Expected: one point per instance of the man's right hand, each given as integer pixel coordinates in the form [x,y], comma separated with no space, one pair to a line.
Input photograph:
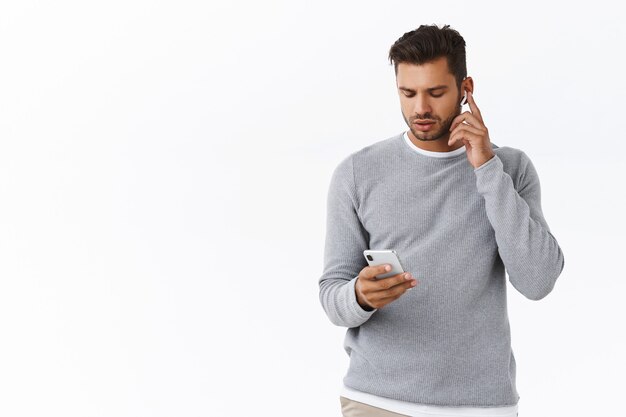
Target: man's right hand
[374,293]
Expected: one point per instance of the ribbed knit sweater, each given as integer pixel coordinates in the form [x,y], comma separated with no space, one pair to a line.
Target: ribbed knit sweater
[457,229]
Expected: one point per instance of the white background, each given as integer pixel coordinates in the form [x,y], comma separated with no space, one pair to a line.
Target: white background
[163,176]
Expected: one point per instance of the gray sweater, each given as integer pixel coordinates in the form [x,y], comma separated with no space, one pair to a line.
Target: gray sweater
[455,228]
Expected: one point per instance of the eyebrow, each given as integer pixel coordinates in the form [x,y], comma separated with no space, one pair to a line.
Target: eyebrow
[428,89]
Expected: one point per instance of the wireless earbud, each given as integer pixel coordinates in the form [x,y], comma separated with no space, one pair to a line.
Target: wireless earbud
[464,99]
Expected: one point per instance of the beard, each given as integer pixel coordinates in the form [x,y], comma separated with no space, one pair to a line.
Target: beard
[439,131]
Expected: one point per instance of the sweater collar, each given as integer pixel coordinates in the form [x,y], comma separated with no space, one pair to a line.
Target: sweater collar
[432,154]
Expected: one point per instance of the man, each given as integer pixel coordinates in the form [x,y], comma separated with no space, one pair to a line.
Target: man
[458,210]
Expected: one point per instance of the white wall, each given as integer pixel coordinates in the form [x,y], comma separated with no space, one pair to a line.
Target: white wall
[155,155]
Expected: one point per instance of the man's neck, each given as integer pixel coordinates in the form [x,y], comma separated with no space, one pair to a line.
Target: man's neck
[439,145]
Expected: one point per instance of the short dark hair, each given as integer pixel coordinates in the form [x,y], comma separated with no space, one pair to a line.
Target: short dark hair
[427,43]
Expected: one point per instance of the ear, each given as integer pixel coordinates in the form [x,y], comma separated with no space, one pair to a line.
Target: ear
[469,86]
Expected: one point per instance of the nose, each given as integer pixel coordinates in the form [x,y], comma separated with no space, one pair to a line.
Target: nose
[421,106]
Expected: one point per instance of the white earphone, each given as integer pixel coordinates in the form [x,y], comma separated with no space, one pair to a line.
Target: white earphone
[464,99]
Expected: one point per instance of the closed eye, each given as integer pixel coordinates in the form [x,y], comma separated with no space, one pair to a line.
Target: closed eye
[413,95]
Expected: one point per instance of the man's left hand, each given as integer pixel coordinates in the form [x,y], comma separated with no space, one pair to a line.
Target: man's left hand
[473,133]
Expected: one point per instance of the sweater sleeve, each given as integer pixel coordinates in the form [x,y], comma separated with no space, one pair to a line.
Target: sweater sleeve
[530,253]
[346,238]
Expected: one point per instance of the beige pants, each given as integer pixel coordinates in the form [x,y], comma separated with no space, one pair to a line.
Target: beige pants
[351,408]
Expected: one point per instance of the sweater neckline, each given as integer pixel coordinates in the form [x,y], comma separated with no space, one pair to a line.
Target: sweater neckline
[430,154]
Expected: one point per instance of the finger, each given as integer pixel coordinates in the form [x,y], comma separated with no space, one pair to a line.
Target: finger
[464,133]
[396,292]
[388,283]
[468,117]
[382,298]
[370,272]
[473,106]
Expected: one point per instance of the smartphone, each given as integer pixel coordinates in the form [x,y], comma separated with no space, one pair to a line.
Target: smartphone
[379,257]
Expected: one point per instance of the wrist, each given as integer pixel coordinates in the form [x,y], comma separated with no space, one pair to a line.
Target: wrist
[488,157]
[361,302]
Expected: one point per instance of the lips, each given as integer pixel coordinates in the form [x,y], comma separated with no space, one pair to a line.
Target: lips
[423,127]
